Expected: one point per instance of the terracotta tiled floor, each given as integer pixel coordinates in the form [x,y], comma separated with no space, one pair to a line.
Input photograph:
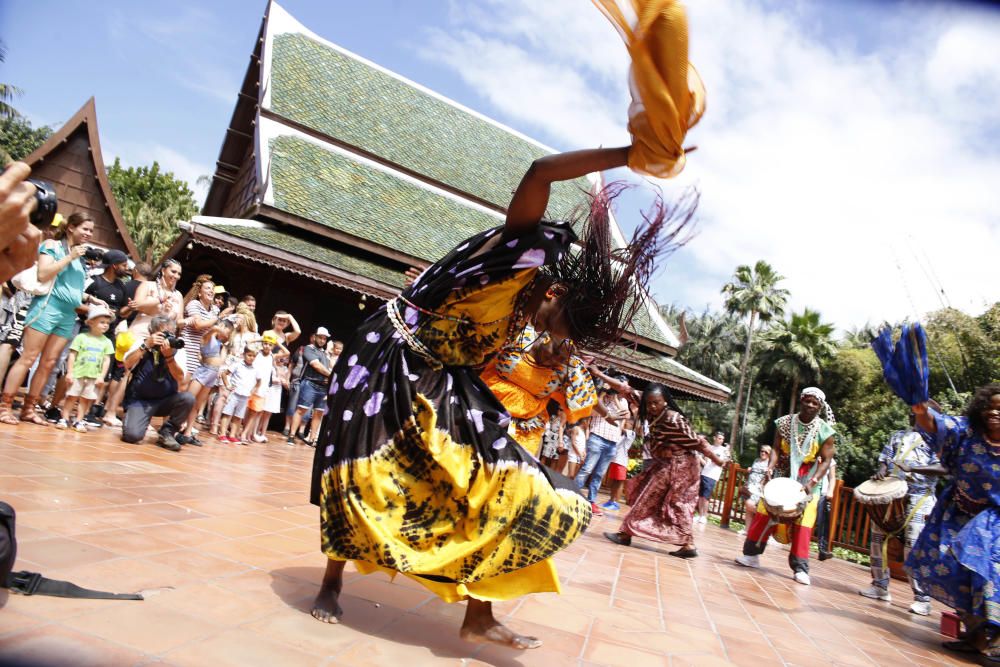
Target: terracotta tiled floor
[222,541]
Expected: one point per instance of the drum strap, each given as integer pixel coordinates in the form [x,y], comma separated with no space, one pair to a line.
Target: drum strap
[896,533]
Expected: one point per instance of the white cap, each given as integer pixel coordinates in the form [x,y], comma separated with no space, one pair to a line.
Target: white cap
[322,331]
[98,311]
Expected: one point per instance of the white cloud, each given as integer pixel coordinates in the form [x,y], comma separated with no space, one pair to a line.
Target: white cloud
[864,176]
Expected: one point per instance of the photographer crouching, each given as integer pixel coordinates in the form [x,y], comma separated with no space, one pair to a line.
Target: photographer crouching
[157,364]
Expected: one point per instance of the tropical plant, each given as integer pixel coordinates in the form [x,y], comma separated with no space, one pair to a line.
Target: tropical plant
[152,203]
[752,293]
[7,91]
[18,138]
[796,349]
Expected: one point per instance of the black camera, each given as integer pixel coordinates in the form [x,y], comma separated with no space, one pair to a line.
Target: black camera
[93,254]
[46,203]
[174,341]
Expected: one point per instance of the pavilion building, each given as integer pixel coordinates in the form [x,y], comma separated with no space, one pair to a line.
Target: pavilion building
[336,175]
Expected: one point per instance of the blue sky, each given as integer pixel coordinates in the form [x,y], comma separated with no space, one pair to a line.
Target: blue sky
[853,145]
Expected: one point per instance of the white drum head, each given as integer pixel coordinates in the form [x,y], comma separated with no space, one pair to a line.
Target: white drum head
[784,493]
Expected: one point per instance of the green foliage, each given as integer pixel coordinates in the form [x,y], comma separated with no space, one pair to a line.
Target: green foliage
[967,347]
[796,349]
[7,92]
[18,138]
[753,293]
[152,203]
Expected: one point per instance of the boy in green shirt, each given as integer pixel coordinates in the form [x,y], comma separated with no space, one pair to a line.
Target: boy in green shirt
[88,362]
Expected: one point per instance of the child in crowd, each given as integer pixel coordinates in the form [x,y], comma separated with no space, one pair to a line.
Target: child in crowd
[240,380]
[618,470]
[257,405]
[87,364]
[577,433]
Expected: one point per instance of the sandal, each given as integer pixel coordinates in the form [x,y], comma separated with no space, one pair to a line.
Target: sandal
[7,415]
[685,553]
[619,538]
[28,413]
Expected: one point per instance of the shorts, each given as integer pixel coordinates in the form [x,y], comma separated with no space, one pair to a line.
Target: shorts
[206,375]
[573,457]
[116,371]
[617,472]
[706,487]
[293,399]
[273,402]
[236,406]
[85,388]
[256,403]
[51,318]
[312,397]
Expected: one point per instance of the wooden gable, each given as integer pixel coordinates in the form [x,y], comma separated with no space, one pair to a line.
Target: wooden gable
[71,160]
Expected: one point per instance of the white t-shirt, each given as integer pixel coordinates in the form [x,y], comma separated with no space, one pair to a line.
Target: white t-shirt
[263,365]
[711,470]
[242,378]
[621,454]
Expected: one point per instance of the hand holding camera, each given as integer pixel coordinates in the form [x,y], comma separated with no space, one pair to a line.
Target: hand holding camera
[22,202]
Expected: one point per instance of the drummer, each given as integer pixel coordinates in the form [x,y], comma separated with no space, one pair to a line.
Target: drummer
[905,449]
[803,448]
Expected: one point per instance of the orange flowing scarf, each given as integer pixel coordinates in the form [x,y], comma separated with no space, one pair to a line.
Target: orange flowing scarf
[668,96]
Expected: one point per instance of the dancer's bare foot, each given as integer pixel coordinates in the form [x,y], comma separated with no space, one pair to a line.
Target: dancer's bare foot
[498,634]
[327,608]
[480,627]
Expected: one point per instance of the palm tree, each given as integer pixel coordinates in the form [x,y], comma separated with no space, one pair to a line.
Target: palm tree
[713,346]
[7,92]
[752,293]
[796,349]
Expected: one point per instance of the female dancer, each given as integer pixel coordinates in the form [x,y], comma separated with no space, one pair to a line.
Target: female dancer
[48,326]
[664,495]
[526,374]
[954,557]
[415,472]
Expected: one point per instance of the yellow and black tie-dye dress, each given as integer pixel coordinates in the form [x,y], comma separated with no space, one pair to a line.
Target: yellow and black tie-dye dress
[415,471]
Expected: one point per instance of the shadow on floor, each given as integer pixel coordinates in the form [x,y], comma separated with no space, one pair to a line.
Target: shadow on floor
[387,628]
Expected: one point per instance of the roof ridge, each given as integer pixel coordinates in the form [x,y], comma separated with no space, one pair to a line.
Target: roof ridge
[284,18]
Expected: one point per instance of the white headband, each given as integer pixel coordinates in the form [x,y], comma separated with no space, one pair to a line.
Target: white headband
[815,392]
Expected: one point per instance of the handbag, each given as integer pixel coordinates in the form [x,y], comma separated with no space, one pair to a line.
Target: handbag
[27,280]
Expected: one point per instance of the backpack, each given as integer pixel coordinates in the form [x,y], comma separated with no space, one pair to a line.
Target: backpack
[32,583]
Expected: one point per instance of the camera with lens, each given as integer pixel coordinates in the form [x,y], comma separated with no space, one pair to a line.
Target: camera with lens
[46,201]
[93,254]
[173,341]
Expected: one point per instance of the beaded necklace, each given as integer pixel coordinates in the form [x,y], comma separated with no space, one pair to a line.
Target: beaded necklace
[807,438]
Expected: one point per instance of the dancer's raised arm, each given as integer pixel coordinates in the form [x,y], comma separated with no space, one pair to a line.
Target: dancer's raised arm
[531,198]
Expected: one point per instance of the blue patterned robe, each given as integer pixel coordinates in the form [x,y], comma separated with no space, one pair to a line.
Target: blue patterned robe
[957,557]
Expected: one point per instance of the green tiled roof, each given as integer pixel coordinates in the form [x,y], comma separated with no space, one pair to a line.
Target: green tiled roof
[329,188]
[662,364]
[316,251]
[344,98]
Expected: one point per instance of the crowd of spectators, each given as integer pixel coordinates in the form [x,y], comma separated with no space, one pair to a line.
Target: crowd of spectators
[91,339]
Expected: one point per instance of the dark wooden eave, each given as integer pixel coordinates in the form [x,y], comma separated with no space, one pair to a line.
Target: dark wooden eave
[53,156]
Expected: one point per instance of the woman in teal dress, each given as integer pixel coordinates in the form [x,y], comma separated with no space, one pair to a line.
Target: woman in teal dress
[957,556]
[48,326]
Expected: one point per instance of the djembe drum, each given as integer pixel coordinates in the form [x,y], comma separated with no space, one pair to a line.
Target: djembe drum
[785,500]
[885,502]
